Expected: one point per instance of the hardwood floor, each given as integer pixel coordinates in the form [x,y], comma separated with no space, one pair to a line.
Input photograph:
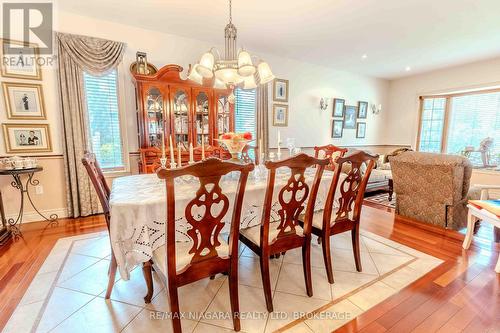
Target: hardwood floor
[462,294]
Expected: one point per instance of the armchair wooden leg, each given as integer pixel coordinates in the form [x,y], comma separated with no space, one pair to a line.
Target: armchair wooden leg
[327,258]
[306,263]
[233,295]
[148,277]
[111,276]
[174,308]
[266,281]
[470,230]
[355,247]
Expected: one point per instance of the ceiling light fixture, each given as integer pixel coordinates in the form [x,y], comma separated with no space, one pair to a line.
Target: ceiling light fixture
[407,68]
[235,68]
[364,56]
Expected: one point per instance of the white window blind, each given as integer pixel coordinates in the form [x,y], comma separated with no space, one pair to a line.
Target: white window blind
[432,124]
[473,118]
[104,120]
[245,113]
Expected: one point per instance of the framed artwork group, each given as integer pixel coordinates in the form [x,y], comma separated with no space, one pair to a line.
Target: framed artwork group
[350,115]
[280,97]
[24,100]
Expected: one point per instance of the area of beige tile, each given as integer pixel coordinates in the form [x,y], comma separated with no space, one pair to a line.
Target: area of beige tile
[39,288]
[249,271]
[93,280]
[333,317]
[23,318]
[374,246]
[96,247]
[252,305]
[401,278]
[343,260]
[387,262]
[75,263]
[61,305]
[148,321]
[291,280]
[346,282]
[207,328]
[99,315]
[372,295]
[424,265]
[288,307]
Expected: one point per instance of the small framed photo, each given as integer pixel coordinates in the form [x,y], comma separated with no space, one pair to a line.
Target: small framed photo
[27,138]
[24,100]
[362,110]
[280,115]
[360,130]
[338,107]
[350,117]
[22,65]
[280,90]
[337,128]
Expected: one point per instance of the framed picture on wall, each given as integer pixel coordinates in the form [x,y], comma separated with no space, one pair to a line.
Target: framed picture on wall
[21,65]
[338,107]
[362,110]
[280,115]
[361,130]
[280,90]
[350,117]
[24,100]
[27,138]
[337,128]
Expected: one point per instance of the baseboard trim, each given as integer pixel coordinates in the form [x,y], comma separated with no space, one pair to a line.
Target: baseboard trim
[32,216]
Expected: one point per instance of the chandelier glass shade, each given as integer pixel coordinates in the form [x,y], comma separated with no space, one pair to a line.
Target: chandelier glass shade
[232,69]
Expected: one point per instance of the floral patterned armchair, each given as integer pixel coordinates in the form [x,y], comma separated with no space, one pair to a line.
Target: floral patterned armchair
[432,188]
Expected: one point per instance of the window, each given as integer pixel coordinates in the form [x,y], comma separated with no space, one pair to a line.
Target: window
[459,124]
[245,113]
[104,120]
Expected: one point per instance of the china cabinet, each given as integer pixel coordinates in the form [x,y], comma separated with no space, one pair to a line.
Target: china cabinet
[189,113]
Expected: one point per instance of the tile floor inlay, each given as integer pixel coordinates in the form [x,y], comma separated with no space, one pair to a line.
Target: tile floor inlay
[67,294]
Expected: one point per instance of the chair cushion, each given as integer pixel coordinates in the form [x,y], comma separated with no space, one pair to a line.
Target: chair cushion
[378,175]
[253,233]
[318,219]
[183,258]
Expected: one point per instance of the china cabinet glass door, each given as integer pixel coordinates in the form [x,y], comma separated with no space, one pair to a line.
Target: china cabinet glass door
[155,116]
[223,115]
[201,109]
[180,114]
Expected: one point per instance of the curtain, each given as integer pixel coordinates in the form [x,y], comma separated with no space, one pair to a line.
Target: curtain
[263,119]
[77,54]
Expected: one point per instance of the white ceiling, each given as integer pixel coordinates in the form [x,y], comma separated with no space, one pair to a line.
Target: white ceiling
[394,34]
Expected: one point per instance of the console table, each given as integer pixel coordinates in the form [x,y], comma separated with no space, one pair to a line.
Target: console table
[17,183]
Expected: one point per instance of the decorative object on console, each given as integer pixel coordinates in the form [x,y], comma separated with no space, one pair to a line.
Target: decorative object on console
[24,100]
[280,90]
[349,117]
[235,143]
[280,115]
[337,128]
[362,110]
[376,109]
[152,70]
[142,63]
[23,64]
[323,104]
[360,130]
[27,138]
[235,68]
[338,107]
[18,163]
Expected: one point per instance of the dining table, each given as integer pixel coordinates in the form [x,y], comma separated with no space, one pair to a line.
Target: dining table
[138,209]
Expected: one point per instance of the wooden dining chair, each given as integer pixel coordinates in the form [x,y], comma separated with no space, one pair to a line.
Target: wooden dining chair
[346,209]
[329,151]
[103,193]
[275,237]
[181,263]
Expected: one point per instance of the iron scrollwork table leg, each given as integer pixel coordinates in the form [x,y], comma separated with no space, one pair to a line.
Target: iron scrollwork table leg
[23,190]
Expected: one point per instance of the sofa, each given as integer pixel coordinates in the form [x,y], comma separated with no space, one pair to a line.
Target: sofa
[432,188]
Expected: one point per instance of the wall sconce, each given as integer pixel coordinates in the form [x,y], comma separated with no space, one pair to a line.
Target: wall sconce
[323,104]
[376,109]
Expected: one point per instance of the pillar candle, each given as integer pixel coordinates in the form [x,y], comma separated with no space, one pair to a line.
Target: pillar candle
[172,158]
[279,141]
[179,160]
[202,147]
[162,144]
[191,159]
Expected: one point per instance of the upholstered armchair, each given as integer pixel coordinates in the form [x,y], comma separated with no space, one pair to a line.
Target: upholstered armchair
[432,188]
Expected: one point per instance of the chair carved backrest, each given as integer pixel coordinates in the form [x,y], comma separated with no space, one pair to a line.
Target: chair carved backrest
[98,181]
[329,151]
[292,196]
[206,211]
[245,156]
[352,188]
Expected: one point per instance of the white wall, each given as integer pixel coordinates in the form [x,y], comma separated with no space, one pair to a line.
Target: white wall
[402,124]
[308,83]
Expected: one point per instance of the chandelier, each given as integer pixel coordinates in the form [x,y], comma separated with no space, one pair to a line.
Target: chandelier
[234,69]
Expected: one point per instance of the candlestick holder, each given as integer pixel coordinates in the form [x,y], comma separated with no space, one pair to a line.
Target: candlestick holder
[163,162]
[173,165]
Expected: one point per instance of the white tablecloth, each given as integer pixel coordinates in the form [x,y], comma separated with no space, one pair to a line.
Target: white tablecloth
[138,211]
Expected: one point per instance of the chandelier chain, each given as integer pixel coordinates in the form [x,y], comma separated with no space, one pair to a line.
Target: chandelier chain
[230,11]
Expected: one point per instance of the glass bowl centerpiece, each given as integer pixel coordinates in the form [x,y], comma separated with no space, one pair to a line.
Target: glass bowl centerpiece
[235,143]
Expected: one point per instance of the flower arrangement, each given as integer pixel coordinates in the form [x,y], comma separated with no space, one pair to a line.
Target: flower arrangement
[235,142]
